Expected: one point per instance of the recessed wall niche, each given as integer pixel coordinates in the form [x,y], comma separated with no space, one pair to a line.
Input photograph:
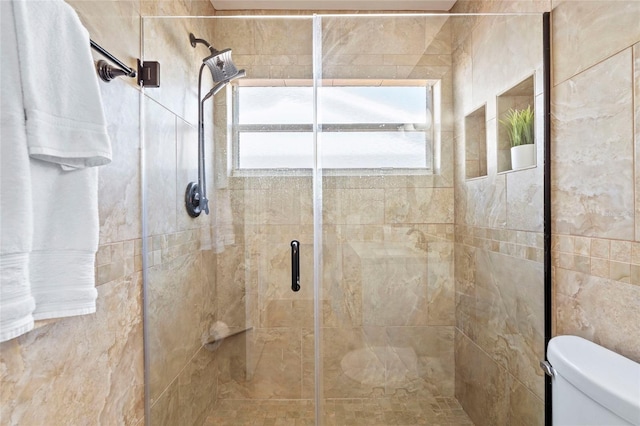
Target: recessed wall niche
[475,139]
[518,98]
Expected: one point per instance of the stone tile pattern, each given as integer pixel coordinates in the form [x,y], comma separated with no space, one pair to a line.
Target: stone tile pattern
[96,361]
[400,410]
[595,218]
[499,253]
[181,253]
[595,184]
[387,295]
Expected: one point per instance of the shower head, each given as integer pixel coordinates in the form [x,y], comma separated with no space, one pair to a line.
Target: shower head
[222,68]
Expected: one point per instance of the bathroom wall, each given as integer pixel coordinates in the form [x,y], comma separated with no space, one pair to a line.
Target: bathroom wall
[595,175]
[595,249]
[499,269]
[89,369]
[377,231]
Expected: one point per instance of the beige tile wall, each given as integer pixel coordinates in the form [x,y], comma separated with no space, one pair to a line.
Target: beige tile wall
[96,360]
[388,240]
[499,244]
[596,132]
[89,369]
[595,135]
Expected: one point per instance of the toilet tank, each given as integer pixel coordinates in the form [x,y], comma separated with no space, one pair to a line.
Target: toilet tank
[592,385]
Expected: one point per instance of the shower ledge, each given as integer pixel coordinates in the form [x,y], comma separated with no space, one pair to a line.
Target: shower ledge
[213,342]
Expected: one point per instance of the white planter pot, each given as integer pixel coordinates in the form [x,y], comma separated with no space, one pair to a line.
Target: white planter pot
[523,156]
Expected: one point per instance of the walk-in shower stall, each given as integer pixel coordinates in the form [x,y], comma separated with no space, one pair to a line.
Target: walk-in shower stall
[364,158]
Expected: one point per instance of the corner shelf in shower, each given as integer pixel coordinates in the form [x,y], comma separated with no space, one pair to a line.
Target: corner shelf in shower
[213,343]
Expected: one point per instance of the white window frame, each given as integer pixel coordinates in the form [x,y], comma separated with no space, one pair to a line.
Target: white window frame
[432,134]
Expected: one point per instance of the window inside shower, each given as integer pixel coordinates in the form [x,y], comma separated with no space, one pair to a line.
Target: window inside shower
[362,125]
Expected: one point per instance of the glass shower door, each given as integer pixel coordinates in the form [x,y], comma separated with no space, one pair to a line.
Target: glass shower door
[387,290]
[228,340]
[340,152]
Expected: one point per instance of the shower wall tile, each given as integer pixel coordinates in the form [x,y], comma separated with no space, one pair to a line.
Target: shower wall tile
[489,394]
[482,202]
[253,275]
[39,380]
[440,284]
[524,190]
[175,309]
[593,114]
[166,409]
[161,169]
[498,250]
[394,286]
[167,41]
[231,273]
[482,387]
[350,206]
[586,33]
[525,408]
[176,8]
[601,310]
[278,206]
[417,205]
[422,360]
[273,367]
[197,386]
[114,25]
[399,35]
[119,181]
[273,36]
[506,50]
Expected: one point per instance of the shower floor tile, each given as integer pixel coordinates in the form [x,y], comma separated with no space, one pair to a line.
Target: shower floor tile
[340,412]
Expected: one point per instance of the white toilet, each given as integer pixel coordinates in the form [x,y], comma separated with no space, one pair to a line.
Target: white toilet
[592,385]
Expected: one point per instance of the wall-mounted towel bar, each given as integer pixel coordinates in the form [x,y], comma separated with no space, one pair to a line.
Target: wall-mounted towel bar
[108,72]
[148,71]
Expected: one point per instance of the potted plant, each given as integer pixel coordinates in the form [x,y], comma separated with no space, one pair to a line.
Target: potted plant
[519,125]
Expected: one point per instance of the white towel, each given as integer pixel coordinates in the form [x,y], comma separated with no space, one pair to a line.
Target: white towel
[16,220]
[65,121]
[65,134]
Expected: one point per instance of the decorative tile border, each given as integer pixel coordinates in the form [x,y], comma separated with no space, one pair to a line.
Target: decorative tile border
[605,258]
[523,244]
[118,260]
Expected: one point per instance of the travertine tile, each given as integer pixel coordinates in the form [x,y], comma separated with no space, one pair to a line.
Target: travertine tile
[511,316]
[197,388]
[350,206]
[600,310]
[119,181]
[419,205]
[273,367]
[160,127]
[525,408]
[588,32]
[44,369]
[440,284]
[175,302]
[481,385]
[590,119]
[499,59]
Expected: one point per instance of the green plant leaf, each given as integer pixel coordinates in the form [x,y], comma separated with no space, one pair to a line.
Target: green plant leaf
[519,125]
